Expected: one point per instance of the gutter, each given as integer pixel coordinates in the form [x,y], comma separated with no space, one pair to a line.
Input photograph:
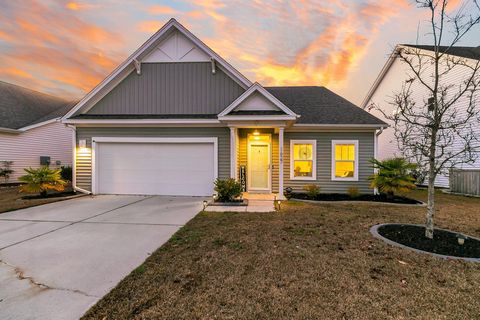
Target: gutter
[8,130]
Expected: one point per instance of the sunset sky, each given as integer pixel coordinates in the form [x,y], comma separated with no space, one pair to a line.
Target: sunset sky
[65,48]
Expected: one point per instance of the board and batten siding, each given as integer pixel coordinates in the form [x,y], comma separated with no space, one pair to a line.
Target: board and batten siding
[84,159]
[324,161]
[24,149]
[171,88]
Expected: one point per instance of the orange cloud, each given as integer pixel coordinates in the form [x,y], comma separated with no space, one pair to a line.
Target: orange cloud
[76,6]
[149,26]
[158,9]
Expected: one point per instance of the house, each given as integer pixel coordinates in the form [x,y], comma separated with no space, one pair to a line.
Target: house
[31,133]
[175,116]
[390,80]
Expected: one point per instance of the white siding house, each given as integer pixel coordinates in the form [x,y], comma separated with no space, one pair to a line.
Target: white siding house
[30,128]
[25,148]
[389,82]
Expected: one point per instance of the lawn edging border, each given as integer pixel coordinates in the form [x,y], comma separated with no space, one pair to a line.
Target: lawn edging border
[374,232]
[422,204]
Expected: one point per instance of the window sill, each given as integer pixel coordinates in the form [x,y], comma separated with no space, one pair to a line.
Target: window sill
[345,179]
[303,178]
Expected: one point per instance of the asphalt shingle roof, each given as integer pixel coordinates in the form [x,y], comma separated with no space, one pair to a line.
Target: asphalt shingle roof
[20,107]
[464,52]
[318,105]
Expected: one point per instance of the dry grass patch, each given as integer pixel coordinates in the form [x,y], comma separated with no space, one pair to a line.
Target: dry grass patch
[306,262]
[11,199]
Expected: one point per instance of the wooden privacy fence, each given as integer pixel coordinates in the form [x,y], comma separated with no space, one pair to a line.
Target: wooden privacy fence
[465,181]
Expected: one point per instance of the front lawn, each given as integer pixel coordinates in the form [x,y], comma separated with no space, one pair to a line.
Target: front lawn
[12,199]
[309,261]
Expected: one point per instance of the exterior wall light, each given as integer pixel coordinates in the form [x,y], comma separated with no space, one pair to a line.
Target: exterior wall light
[82,143]
[256,133]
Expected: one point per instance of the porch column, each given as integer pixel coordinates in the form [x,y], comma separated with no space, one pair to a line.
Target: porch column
[233,152]
[280,163]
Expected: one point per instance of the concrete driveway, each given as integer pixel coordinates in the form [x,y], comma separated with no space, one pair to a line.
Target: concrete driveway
[58,259]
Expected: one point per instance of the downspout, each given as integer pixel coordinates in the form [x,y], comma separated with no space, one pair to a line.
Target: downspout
[74,162]
[375,153]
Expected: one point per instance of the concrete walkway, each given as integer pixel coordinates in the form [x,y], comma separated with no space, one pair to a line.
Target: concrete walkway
[257,202]
[58,259]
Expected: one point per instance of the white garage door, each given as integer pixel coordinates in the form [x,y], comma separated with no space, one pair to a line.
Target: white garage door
[155,168]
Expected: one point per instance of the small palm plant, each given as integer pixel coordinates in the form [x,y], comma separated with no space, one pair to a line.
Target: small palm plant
[393,176]
[41,180]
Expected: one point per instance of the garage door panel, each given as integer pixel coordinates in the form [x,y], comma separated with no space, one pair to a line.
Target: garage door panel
[155,168]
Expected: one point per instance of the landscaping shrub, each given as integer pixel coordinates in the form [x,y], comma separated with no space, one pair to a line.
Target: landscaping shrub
[227,189]
[312,190]
[66,173]
[41,180]
[353,192]
[393,176]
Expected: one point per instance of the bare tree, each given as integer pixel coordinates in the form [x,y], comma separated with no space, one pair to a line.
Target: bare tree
[429,128]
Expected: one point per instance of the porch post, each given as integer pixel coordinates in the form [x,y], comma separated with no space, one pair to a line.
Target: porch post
[280,163]
[233,152]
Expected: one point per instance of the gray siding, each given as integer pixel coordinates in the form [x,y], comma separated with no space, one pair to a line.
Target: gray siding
[84,159]
[324,160]
[171,88]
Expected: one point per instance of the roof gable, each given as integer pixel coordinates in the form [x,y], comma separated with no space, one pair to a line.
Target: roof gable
[177,48]
[135,60]
[257,100]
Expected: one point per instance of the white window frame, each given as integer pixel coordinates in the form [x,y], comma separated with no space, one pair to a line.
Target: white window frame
[314,159]
[355,166]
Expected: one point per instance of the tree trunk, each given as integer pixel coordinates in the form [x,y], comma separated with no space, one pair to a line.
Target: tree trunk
[431,201]
[430,210]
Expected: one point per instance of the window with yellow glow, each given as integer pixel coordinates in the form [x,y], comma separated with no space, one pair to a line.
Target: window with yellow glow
[303,157]
[344,161]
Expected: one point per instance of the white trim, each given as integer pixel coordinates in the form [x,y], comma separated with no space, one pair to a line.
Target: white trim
[256,87]
[313,142]
[8,130]
[74,155]
[375,154]
[380,77]
[96,140]
[281,132]
[355,172]
[257,118]
[233,152]
[141,121]
[342,126]
[143,50]
[36,125]
[249,175]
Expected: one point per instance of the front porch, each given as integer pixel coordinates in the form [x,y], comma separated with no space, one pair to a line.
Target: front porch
[257,161]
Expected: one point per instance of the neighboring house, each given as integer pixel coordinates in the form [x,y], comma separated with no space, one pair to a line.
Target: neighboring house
[30,128]
[175,116]
[390,81]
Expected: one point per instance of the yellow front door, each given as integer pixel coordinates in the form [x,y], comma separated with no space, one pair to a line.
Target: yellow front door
[259,163]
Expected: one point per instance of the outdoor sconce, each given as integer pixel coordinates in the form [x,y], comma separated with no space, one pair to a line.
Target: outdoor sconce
[82,143]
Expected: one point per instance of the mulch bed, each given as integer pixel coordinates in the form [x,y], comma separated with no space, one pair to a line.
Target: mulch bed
[444,242]
[362,197]
[50,195]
